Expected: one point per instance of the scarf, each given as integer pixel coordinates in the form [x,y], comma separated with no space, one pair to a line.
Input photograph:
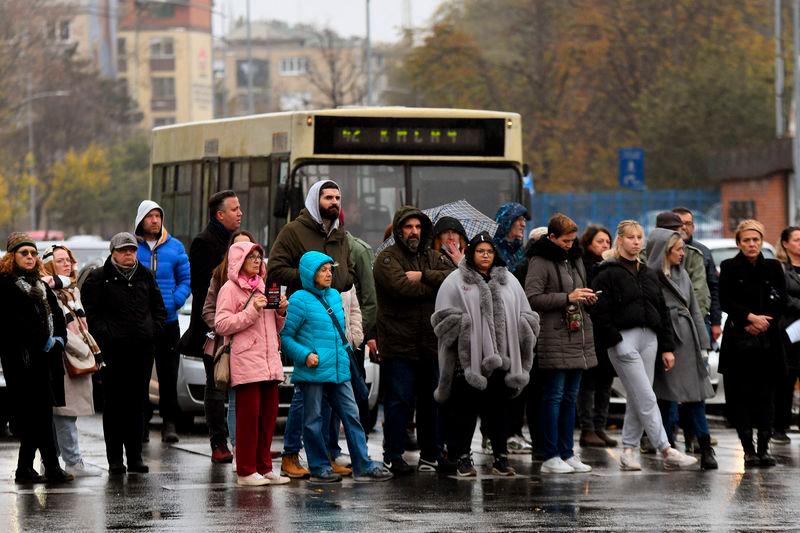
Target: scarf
[30,283]
[125,272]
[251,282]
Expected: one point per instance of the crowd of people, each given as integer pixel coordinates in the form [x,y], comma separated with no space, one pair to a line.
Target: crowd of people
[470,331]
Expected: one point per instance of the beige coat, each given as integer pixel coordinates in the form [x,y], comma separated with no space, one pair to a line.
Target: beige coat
[354,327]
[77,390]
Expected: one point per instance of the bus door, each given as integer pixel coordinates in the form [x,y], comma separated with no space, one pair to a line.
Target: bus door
[282,206]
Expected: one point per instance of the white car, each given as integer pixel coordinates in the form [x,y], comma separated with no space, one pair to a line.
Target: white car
[721,249]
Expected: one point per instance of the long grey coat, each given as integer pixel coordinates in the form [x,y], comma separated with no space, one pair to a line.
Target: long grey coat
[552,275]
[481,327]
[688,380]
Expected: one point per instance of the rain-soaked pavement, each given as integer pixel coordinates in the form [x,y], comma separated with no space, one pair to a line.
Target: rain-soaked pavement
[185,492]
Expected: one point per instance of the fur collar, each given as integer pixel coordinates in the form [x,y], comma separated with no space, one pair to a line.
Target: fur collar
[497,274]
[549,250]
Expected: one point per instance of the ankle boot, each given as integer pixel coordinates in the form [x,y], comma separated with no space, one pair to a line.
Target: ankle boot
[764,457]
[750,457]
[707,459]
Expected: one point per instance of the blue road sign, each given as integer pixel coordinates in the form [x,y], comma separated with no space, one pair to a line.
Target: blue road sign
[631,168]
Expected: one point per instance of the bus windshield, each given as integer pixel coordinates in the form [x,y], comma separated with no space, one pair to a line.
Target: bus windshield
[371,193]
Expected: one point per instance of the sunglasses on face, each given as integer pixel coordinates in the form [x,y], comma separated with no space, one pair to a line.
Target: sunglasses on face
[26,253]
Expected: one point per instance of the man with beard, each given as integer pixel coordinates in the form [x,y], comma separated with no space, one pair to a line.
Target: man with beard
[316,228]
[407,277]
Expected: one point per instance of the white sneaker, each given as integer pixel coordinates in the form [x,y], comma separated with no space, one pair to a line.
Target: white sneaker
[233,461]
[676,459]
[343,460]
[629,461]
[79,469]
[577,465]
[556,465]
[253,480]
[517,444]
[276,479]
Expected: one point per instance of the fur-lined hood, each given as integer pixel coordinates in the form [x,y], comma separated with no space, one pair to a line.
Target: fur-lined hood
[547,249]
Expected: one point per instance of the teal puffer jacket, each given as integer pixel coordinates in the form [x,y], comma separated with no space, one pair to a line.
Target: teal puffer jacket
[308,328]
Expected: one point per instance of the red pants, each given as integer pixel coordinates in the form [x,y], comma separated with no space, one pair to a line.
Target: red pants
[256,412]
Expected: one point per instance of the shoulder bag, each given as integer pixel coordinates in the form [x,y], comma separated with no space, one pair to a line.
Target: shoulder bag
[222,359]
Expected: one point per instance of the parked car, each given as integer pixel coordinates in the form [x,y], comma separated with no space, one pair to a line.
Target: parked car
[192,380]
[721,249]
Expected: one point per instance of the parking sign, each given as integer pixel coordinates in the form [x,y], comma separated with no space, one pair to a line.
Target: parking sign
[631,168]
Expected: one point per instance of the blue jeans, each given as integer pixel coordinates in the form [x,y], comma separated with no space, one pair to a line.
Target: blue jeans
[696,421]
[410,384]
[559,394]
[340,398]
[293,432]
[67,435]
[232,416]
[330,429]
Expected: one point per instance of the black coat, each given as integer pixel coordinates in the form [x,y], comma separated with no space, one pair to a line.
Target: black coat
[758,288]
[629,301]
[205,253]
[792,312]
[590,261]
[23,322]
[122,313]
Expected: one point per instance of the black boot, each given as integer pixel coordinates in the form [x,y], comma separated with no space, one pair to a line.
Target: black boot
[707,459]
[764,457]
[750,457]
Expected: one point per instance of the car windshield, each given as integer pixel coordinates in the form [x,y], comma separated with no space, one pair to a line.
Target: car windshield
[371,193]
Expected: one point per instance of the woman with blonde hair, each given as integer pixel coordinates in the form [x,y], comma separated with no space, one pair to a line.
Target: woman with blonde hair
[632,319]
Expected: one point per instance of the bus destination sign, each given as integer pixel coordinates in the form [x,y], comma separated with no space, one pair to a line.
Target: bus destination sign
[409,136]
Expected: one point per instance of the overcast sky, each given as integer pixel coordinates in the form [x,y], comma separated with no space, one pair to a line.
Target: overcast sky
[347,17]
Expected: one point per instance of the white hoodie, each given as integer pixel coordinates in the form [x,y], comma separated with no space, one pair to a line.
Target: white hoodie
[312,203]
[145,207]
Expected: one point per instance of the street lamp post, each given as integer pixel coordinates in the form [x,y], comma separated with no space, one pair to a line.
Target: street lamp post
[31,147]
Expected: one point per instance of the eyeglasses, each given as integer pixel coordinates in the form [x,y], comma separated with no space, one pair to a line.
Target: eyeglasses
[26,253]
[484,252]
[255,258]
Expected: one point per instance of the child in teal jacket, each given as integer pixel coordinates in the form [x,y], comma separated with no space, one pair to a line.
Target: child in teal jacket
[322,368]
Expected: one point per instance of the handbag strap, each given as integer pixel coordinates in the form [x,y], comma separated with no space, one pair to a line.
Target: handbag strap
[333,319]
[253,293]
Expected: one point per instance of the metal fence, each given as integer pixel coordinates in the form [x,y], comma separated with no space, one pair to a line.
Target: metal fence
[607,208]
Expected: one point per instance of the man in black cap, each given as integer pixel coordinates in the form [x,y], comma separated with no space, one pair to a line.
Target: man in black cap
[125,313]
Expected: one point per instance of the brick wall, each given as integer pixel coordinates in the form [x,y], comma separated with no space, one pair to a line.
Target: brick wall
[765,198]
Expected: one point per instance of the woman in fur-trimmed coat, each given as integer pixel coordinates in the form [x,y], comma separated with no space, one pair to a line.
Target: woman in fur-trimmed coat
[486,333]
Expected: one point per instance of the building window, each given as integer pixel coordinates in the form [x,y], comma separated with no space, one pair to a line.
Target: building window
[162,53]
[294,66]
[161,10]
[63,30]
[739,210]
[295,101]
[163,94]
[260,69]
[122,55]
[163,121]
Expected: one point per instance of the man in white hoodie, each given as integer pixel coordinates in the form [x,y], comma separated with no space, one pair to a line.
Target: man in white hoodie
[316,228]
[166,258]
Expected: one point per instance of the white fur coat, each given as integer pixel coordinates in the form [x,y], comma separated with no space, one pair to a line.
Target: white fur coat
[484,326]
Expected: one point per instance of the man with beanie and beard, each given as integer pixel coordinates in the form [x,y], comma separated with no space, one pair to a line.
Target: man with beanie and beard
[407,277]
[126,315]
[316,229]
[166,258]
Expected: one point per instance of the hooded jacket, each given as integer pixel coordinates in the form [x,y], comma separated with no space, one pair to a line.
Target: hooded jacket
[255,355]
[481,327]
[688,380]
[511,252]
[167,260]
[552,274]
[307,233]
[405,307]
[309,329]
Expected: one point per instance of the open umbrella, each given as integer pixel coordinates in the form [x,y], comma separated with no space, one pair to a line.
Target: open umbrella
[473,220]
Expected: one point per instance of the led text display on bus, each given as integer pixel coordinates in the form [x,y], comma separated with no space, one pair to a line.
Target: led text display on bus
[409,136]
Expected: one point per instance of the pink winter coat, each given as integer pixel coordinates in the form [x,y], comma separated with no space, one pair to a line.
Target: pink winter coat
[254,352]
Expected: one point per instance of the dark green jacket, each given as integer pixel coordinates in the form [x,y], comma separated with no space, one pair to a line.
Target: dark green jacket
[362,257]
[304,234]
[405,307]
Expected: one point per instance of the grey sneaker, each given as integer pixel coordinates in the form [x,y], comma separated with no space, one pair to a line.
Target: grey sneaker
[376,473]
[517,444]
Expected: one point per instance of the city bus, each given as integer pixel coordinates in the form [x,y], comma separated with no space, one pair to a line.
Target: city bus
[381,157]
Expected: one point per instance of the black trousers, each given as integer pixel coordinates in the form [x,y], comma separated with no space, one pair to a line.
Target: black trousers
[214,404]
[167,361]
[750,397]
[126,377]
[461,411]
[34,424]
[784,396]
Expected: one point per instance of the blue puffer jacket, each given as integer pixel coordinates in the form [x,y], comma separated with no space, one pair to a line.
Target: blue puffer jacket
[168,262]
[308,328]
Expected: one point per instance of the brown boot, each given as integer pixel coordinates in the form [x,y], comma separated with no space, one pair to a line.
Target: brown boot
[611,443]
[341,470]
[290,466]
[590,439]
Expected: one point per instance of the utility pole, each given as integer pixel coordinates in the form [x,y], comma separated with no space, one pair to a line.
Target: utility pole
[251,105]
[31,156]
[368,60]
[779,72]
[795,188]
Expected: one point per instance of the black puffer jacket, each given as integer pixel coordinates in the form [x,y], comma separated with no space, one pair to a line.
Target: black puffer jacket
[629,301]
[123,313]
[23,323]
[405,307]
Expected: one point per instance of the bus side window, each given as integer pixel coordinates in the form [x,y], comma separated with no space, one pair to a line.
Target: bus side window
[283,193]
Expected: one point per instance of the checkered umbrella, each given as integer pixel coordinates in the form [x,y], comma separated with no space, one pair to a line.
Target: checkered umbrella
[473,220]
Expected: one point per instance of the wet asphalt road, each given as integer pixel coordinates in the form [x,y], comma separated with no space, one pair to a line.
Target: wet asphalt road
[185,492]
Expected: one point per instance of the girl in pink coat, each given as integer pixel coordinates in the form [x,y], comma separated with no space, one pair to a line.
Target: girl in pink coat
[256,368]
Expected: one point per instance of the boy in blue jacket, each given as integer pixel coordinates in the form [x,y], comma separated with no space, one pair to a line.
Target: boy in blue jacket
[313,337]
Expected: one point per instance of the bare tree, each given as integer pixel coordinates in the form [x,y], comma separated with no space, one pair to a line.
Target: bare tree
[338,74]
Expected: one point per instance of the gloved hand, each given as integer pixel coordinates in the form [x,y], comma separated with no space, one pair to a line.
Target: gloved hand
[51,342]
